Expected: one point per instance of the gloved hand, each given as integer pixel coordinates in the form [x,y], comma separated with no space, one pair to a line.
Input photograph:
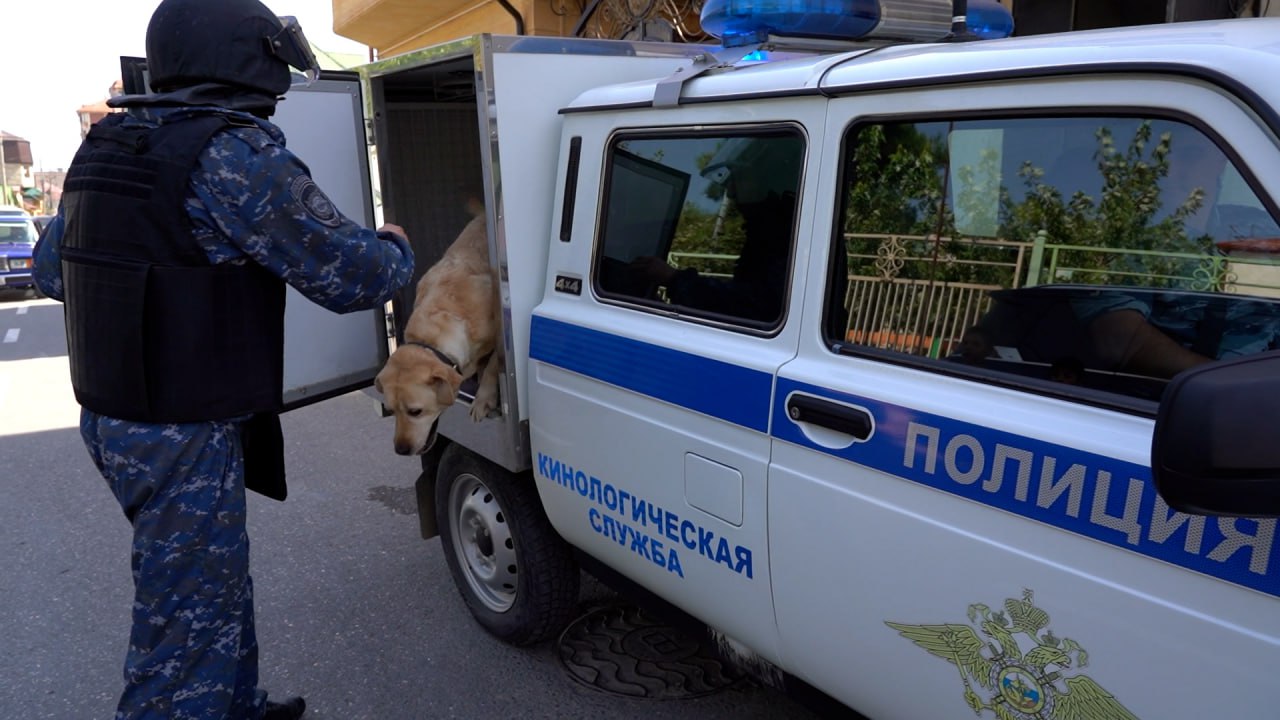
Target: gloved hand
[389,227]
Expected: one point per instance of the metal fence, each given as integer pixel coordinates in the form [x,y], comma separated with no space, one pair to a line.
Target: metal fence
[925,291]
[918,294]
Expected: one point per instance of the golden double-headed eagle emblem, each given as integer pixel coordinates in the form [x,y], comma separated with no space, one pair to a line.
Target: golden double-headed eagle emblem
[1015,685]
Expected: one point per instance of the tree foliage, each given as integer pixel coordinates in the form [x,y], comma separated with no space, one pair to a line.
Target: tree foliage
[1126,215]
[899,177]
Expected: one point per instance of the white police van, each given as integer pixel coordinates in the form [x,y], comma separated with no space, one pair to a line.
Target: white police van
[858,356]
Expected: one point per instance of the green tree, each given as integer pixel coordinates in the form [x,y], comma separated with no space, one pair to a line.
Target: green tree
[1124,216]
[895,187]
[900,178]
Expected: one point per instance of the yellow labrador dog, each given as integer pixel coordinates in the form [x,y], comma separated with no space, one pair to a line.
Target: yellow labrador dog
[452,330]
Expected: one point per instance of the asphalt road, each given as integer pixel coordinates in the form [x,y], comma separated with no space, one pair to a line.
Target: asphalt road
[355,611]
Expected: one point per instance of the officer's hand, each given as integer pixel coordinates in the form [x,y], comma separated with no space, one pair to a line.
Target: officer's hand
[389,227]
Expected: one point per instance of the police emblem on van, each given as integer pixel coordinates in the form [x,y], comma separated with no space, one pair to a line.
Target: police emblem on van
[1012,684]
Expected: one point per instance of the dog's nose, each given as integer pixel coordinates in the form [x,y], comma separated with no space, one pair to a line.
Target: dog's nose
[403,448]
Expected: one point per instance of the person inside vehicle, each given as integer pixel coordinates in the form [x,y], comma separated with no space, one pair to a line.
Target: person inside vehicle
[181,222]
[761,178]
[1162,333]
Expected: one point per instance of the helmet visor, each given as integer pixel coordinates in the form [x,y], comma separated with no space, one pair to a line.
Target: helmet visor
[291,46]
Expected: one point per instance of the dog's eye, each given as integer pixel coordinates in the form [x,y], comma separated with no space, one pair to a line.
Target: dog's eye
[414,412]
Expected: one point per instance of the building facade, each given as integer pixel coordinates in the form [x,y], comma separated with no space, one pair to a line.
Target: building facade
[15,168]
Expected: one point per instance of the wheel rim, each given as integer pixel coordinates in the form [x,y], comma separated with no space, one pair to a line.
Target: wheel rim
[483,544]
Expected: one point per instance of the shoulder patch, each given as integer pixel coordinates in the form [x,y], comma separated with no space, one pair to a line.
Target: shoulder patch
[317,204]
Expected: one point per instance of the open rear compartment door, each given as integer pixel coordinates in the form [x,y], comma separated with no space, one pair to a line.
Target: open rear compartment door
[327,354]
[480,118]
[435,172]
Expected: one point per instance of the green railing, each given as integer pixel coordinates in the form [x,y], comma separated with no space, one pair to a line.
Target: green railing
[711,264]
[1053,263]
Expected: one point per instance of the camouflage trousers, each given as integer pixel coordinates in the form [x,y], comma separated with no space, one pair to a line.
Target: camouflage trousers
[193,654]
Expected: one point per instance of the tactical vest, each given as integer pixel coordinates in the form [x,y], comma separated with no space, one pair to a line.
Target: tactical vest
[155,332]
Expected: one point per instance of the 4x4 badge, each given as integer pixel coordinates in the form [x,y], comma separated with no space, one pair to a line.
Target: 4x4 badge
[1018,685]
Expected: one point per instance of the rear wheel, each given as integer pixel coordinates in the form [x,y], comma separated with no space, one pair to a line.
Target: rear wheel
[516,575]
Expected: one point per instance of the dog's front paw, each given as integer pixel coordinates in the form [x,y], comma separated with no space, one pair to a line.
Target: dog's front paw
[487,393]
[486,400]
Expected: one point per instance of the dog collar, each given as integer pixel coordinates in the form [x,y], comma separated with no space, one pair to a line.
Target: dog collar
[443,358]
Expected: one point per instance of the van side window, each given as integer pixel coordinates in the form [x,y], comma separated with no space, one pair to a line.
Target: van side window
[1097,252]
[702,224]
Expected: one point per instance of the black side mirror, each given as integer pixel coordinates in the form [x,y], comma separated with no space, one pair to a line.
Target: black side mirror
[1216,449]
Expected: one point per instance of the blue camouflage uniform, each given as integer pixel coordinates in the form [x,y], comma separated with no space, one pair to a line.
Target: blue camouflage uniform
[192,651]
[1249,326]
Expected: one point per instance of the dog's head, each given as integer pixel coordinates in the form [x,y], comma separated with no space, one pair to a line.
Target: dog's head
[417,386]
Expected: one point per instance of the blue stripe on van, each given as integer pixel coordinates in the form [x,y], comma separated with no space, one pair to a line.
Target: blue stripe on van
[722,390]
[1053,484]
[1081,492]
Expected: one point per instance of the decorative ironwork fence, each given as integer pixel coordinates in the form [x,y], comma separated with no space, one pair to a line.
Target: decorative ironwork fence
[918,294]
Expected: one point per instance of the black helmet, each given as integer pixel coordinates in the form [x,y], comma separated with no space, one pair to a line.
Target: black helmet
[232,42]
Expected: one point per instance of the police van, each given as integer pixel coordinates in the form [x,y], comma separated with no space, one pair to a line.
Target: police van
[931,370]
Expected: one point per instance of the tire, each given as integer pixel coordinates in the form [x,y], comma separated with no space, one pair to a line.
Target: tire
[517,576]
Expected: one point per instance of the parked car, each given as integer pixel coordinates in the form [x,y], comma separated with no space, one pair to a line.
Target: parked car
[17,239]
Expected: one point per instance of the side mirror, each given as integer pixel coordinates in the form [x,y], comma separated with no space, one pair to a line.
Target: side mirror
[1216,449]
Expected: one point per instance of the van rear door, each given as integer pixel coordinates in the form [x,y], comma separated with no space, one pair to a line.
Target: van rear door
[327,354]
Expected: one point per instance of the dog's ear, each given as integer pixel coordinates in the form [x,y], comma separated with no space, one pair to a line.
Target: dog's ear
[377,382]
[445,381]
[444,392]
[450,376]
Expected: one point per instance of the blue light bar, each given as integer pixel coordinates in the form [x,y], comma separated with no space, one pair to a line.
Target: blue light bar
[743,22]
[988,19]
[818,23]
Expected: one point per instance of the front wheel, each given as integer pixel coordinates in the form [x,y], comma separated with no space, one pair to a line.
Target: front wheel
[516,575]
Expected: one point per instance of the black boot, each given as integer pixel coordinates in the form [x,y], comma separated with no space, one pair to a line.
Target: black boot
[290,709]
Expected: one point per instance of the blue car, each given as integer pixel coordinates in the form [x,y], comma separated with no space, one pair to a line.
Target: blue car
[17,240]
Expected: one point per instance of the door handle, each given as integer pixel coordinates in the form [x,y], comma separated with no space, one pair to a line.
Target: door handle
[831,415]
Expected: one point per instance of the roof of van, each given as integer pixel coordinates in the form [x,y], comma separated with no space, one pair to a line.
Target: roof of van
[1243,51]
